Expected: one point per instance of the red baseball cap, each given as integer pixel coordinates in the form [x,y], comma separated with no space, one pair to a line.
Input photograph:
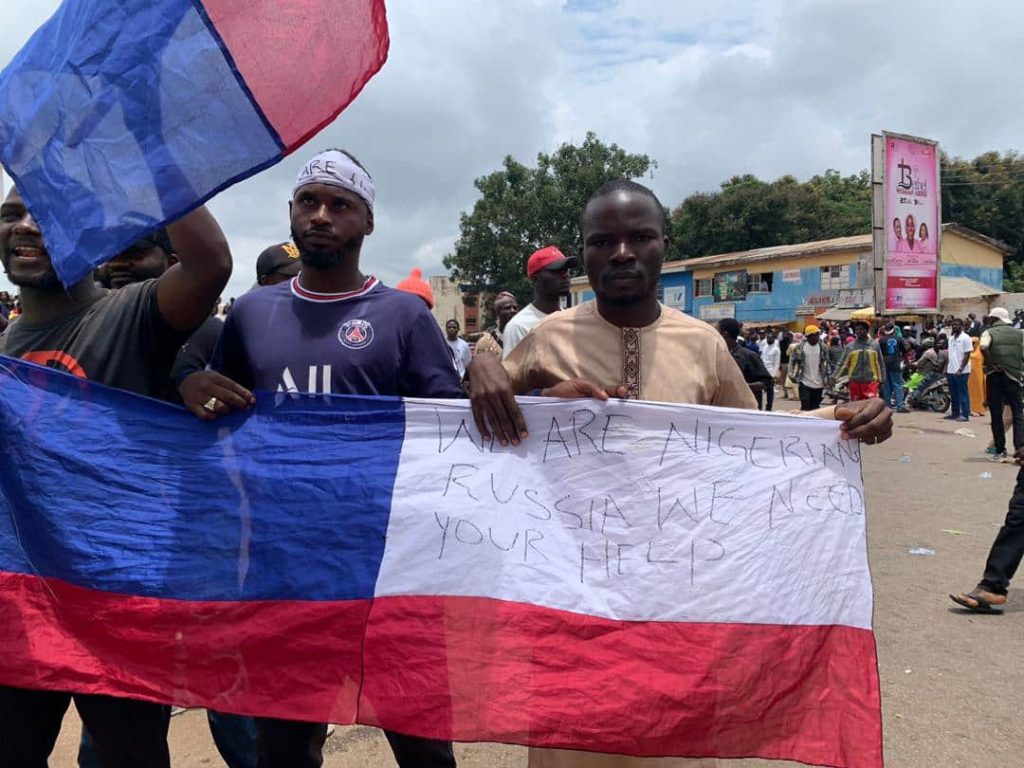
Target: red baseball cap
[548,258]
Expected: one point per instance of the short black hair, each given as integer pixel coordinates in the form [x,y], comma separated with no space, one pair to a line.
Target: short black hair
[858,323]
[158,238]
[731,327]
[625,185]
[449,322]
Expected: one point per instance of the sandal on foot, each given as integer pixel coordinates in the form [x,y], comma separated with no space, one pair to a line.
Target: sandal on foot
[980,601]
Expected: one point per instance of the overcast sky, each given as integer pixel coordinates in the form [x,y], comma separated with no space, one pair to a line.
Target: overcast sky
[709,89]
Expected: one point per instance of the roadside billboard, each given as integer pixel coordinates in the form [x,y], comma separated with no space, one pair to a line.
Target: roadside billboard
[908,223]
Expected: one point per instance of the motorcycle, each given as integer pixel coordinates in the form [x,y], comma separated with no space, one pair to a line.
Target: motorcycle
[930,396]
[838,390]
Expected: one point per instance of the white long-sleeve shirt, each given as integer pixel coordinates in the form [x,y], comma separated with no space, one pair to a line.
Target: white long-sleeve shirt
[771,356]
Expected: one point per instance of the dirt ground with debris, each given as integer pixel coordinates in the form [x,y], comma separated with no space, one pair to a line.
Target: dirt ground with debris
[952,682]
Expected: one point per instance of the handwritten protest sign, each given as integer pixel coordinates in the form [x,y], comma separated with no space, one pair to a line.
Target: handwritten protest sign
[639,512]
[636,578]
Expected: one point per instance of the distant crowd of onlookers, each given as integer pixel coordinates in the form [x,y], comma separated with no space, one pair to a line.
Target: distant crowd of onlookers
[10,308]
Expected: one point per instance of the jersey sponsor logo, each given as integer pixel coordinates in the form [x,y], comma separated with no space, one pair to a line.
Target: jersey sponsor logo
[356,334]
[289,387]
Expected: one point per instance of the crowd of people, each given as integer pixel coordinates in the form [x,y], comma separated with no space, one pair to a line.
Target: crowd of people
[861,359]
[10,308]
[147,322]
[981,361]
[152,321]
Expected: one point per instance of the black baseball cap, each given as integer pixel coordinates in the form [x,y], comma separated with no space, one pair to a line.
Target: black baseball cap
[281,259]
[158,238]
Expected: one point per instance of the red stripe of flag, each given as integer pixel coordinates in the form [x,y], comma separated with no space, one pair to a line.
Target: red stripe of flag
[523,674]
[466,669]
[304,61]
[292,659]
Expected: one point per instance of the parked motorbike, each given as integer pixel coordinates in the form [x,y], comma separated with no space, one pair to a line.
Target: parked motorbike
[838,390]
[930,396]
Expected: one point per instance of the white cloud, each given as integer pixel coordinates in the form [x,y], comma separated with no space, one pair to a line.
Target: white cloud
[429,254]
[709,88]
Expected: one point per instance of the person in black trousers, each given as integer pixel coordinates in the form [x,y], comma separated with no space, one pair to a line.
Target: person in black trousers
[749,362]
[1003,348]
[1003,558]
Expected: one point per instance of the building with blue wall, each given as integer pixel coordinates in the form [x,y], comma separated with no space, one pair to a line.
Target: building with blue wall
[788,284]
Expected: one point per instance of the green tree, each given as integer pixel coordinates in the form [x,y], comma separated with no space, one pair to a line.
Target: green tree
[844,204]
[987,195]
[750,213]
[521,209]
[1013,277]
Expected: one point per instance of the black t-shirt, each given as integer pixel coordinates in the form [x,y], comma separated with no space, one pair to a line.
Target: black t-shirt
[751,366]
[784,341]
[120,340]
[892,347]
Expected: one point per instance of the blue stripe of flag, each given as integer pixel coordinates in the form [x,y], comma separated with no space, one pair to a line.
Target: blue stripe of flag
[120,115]
[115,492]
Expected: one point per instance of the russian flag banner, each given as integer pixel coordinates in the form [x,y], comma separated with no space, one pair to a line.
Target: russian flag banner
[635,578]
[120,115]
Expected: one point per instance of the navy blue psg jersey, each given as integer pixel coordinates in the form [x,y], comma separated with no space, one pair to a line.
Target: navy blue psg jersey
[373,341]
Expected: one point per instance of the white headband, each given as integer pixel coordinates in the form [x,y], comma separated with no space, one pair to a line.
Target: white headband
[336,169]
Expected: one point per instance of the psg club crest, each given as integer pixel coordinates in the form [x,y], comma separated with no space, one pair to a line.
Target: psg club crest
[356,334]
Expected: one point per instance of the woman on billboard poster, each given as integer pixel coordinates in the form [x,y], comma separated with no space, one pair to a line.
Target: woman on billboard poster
[897,230]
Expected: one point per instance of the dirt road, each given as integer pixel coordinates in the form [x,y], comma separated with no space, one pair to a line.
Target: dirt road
[952,683]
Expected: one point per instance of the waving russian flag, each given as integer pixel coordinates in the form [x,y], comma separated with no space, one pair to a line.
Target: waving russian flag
[636,578]
[120,115]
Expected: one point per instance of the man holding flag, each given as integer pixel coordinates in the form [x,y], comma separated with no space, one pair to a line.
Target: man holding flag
[333,330]
[116,118]
[606,347]
[148,259]
[126,339]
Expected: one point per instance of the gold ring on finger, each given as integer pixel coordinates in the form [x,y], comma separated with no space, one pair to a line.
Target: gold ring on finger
[210,406]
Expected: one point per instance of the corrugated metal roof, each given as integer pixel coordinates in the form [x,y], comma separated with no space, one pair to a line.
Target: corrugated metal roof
[816,248]
[797,250]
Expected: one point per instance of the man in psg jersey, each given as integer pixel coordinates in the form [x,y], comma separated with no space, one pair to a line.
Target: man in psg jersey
[333,330]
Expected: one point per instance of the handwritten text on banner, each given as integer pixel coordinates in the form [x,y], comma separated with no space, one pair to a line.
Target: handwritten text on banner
[634,511]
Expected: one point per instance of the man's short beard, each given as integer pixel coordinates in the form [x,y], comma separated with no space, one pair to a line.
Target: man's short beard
[322,259]
[319,258]
[622,301]
[48,281]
